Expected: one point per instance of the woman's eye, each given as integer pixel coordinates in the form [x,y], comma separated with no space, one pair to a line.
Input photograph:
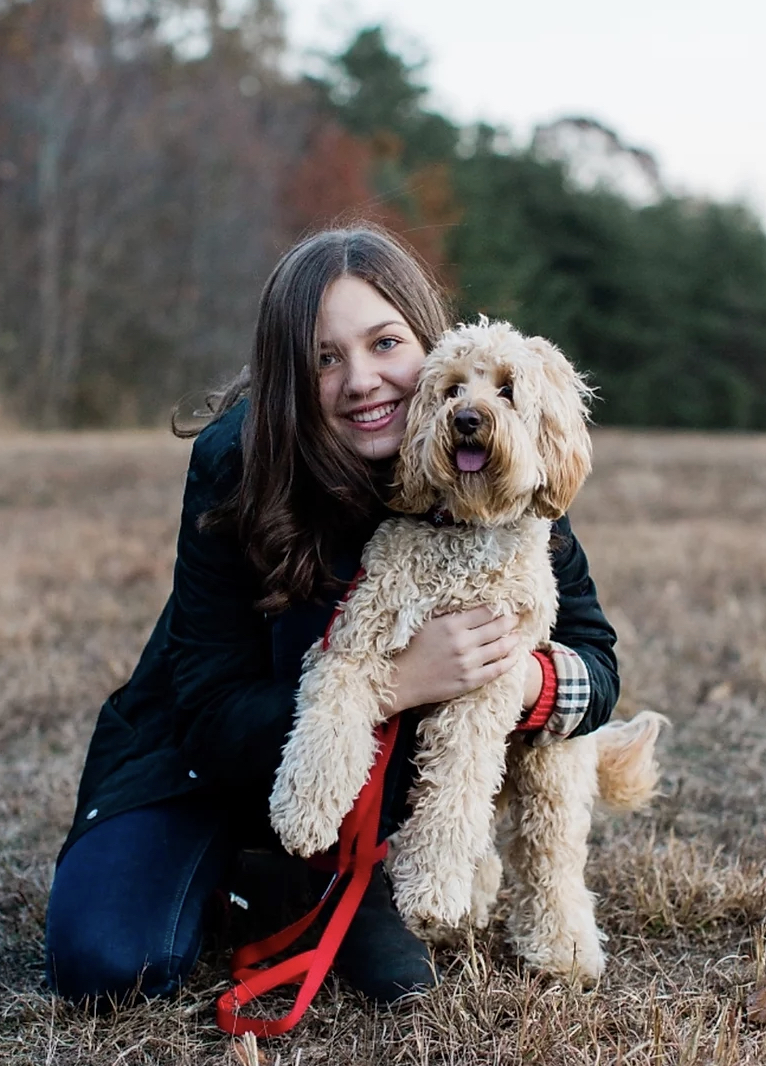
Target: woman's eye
[386,344]
[451,392]
[506,392]
[327,359]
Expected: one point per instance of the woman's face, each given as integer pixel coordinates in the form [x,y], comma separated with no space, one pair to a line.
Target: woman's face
[369,360]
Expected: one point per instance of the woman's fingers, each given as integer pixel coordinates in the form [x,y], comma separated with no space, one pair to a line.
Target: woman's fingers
[480,624]
[498,649]
[477,617]
[489,638]
[490,671]
[495,629]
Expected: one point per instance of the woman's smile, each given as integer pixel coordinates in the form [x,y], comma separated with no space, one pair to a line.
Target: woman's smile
[375,417]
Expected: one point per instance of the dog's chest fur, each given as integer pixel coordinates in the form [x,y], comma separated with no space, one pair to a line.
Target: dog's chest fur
[413,571]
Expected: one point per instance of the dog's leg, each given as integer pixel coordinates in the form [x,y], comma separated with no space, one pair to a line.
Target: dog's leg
[484,891]
[461,765]
[329,753]
[547,801]
[485,887]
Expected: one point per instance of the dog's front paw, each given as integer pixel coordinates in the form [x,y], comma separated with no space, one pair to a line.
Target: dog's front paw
[301,825]
[432,898]
[437,934]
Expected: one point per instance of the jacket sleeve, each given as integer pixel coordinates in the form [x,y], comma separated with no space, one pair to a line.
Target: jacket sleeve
[581,647]
[232,717]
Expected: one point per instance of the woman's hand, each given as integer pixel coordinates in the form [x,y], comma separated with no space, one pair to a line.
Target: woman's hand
[456,653]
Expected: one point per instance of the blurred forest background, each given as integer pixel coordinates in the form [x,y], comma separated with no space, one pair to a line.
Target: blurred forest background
[144,196]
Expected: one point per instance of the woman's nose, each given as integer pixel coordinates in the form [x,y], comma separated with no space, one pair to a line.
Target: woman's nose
[362,374]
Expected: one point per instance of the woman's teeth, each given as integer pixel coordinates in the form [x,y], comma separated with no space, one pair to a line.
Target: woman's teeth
[375,414]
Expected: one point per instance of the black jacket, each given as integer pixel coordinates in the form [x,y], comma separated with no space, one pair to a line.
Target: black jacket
[211,700]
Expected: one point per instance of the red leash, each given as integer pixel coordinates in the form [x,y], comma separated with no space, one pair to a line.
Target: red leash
[359,851]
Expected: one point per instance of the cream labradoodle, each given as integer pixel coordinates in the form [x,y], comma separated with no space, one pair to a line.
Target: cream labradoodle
[497,437]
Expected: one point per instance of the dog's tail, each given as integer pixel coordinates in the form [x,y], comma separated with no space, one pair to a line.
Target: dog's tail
[627,769]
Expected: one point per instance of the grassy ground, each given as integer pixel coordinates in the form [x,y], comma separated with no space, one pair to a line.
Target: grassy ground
[674,529]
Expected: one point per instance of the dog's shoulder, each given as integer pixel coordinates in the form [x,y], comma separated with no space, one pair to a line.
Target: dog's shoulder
[393,542]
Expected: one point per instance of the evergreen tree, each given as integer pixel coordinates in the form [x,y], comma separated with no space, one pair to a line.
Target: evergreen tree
[145,195]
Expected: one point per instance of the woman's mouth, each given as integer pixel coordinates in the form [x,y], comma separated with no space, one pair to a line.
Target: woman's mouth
[372,418]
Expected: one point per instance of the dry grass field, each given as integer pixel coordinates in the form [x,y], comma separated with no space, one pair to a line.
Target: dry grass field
[674,527]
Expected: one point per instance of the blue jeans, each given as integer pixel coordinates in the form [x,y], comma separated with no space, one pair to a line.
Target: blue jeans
[129,900]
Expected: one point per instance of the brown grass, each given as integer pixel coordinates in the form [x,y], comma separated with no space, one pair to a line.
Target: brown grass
[674,529]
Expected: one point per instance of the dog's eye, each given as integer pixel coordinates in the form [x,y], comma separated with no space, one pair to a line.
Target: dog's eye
[451,392]
[506,392]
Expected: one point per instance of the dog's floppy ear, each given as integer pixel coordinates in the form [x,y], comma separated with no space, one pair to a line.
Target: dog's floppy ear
[564,444]
[413,493]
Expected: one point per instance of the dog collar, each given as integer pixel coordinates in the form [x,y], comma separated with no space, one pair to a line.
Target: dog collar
[439,516]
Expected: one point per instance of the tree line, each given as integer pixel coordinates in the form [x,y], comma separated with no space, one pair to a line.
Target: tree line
[145,193]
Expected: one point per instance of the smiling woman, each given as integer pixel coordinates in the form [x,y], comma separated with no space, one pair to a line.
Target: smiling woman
[284,488]
[307,472]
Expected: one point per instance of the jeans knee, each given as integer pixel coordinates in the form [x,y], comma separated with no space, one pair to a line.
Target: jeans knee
[79,966]
[126,909]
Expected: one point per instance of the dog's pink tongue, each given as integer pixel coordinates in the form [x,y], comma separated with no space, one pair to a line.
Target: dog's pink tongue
[470,459]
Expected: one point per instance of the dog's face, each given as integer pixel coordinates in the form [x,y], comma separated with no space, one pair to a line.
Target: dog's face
[497,427]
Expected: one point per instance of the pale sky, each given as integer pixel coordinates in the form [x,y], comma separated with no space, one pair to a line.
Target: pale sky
[683,78]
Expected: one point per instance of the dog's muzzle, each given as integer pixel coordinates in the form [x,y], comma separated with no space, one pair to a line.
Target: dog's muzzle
[470,452]
[468,421]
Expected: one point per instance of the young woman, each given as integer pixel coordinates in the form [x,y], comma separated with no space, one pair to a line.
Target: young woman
[283,490]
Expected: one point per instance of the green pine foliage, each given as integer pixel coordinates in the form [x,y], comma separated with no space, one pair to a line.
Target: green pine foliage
[376,91]
[665,305]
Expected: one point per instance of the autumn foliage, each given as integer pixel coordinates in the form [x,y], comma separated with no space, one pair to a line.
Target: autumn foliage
[154,165]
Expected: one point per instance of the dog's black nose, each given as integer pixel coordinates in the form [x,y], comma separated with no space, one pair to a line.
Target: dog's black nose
[467,421]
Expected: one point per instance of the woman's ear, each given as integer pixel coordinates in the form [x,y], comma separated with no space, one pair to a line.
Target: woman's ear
[563,442]
[413,493]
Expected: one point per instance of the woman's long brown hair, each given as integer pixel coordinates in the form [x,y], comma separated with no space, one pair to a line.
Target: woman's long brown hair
[302,488]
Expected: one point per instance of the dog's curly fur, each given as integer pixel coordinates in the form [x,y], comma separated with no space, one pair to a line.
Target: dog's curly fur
[477,791]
